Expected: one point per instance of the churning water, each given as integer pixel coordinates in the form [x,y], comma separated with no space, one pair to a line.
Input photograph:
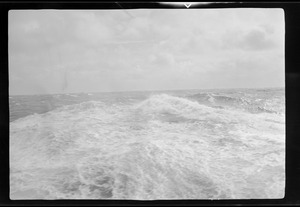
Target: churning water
[193,144]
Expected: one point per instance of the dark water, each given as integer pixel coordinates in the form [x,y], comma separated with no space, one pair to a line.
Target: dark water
[199,144]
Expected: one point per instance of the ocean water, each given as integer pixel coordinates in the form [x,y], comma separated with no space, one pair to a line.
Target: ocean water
[187,144]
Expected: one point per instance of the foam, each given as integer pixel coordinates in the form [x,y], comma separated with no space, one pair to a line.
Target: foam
[165,147]
[241,103]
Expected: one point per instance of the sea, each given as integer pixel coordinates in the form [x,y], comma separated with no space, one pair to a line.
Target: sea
[148,145]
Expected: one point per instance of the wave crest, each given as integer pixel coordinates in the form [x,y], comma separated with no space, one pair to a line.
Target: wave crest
[234,103]
[167,104]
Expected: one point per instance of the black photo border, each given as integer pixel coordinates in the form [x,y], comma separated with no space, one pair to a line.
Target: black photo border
[292,93]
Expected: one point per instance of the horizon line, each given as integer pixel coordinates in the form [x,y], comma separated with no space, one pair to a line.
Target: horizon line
[147,90]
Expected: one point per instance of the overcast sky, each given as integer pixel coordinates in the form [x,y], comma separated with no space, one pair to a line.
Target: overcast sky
[56,51]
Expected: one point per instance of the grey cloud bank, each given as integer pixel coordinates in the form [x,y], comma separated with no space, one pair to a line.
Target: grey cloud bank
[118,50]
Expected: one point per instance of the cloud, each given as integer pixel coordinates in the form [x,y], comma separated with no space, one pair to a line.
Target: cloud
[253,40]
[162,59]
[256,40]
[148,49]
[92,30]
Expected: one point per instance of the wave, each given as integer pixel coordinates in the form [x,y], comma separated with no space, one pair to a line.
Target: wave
[72,108]
[237,103]
[72,95]
[161,107]
[164,147]
[82,106]
[203,98]
[164,103]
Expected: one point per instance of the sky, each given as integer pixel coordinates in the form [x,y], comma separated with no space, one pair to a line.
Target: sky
[71,51]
